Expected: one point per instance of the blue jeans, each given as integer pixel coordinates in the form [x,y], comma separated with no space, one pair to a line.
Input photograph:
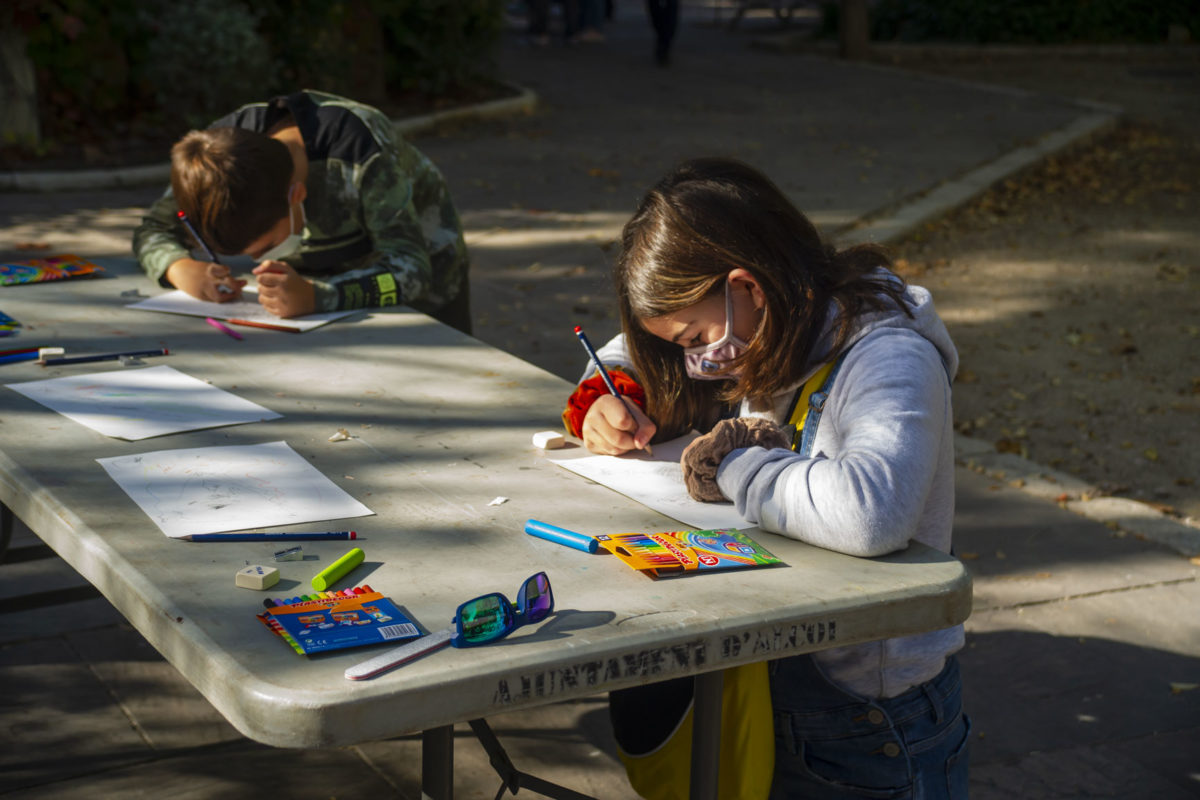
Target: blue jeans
[833,745]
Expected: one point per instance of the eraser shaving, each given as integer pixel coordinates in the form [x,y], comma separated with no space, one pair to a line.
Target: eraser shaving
[548,440]
[257,577]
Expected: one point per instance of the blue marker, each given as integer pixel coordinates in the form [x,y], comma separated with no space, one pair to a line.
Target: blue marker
[553,533]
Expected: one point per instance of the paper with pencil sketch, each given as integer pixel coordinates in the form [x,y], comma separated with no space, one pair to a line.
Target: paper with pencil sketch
[138,404]
[180,302]
[656,481]
[229,488]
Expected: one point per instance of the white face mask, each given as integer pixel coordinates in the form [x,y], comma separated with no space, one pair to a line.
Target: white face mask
[292,243]
[703,361]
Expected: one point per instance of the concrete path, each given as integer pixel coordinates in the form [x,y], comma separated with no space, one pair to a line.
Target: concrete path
[1084,648]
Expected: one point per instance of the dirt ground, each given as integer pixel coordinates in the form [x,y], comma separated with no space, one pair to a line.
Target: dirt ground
[1073,290]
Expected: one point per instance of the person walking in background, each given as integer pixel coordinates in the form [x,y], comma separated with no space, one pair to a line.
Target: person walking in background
[664,16]
[591,20]
[539,21]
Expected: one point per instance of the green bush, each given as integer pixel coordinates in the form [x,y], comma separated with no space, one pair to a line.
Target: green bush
[86,57]
[203,57]
[1024,21]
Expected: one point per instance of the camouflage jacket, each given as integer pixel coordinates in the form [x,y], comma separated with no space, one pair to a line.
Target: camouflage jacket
[381,227]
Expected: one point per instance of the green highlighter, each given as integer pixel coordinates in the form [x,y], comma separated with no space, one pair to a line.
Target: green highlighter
[337,570]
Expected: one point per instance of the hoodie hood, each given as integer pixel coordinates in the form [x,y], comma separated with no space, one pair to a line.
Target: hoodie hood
[924,321]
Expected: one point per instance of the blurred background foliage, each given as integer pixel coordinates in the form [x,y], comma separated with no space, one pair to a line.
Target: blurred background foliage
[155,68]
[1024,21]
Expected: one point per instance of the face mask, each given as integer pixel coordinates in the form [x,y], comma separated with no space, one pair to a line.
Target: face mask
[292,243]
[703,361]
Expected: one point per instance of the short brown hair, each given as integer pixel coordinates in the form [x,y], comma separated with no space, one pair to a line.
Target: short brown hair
[706,218]
[232,183]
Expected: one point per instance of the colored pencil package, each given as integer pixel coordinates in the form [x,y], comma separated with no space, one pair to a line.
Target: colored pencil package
[335,623]
[676,552]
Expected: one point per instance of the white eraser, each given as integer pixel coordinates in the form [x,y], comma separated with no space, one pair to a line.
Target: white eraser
[257,577]
[48,352]
[548,440]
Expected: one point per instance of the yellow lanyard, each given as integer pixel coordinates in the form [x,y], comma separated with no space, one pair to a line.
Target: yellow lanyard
[800,406]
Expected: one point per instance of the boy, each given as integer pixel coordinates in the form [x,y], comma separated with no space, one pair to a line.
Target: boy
[338,210]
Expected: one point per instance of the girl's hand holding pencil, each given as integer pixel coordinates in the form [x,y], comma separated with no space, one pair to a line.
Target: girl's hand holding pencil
[613,427]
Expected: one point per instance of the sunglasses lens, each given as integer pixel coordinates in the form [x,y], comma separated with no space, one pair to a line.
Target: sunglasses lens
[485,618]
[539,600]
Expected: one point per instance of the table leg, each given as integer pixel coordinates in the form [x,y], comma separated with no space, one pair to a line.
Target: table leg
[437,763]
[6,528]
[706,735]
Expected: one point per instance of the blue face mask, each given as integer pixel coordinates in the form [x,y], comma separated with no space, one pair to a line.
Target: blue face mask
[704,362]
[291,244]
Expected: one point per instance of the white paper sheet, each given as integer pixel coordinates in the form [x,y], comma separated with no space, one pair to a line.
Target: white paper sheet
[136,404]
[656,481]
[248,309]
[213,489]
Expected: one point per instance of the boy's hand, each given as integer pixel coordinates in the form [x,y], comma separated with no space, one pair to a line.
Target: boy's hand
[205,280]
[609,430]
[282,290]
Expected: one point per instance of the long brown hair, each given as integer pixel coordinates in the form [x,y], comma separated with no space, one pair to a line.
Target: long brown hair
[713,215]
[232,182]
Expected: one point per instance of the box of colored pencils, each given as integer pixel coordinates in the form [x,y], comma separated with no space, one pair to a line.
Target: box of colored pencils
[323,621]
[51,268]
[677,552]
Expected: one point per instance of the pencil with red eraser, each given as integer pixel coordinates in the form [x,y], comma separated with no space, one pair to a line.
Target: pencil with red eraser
[608,381]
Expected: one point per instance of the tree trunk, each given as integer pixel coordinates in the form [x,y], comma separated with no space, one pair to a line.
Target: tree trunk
[18,92]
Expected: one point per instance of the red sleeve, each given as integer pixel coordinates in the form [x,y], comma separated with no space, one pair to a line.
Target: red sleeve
[587,392]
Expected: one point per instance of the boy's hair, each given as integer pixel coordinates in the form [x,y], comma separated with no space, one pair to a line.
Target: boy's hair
[713,215]
[232,183]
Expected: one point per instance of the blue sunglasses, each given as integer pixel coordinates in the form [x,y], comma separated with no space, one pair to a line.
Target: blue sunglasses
[493,616]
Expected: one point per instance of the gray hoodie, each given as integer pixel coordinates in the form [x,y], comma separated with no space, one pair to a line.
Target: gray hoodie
[881,474]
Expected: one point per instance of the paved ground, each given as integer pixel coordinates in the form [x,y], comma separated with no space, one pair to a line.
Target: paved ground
[1084,640]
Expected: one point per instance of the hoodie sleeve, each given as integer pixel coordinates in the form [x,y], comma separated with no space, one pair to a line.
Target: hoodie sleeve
[886,413]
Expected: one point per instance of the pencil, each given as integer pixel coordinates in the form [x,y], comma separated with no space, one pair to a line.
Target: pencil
[187,223]
[53,362]
[608,381]
[267,537]
[266,325]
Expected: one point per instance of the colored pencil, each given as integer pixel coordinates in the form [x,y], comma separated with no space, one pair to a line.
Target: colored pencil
[223,328]
[266,325]
[14,357]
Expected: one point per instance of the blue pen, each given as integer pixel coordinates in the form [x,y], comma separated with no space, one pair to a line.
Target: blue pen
[553,533]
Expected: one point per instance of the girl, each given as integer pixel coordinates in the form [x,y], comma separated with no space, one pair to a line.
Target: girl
[730,304]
